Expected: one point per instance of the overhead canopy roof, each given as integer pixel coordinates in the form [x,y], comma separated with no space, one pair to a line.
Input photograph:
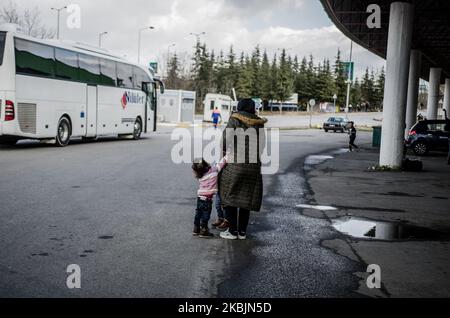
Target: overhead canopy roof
[431,28]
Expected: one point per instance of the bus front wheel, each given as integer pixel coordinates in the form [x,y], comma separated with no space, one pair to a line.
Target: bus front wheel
[64,132]
[137,132]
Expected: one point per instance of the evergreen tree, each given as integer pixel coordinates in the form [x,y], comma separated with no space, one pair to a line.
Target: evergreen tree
[285,83]
[340,80]
[310,84]
[325,82]
[265,79]
[173,80]
[379,90]
[256,72]
[245,80]
[301,82]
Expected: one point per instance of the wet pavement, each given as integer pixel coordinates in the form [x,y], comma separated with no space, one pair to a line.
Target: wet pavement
[399,221]
[123,212]
[286,256]
[386,231]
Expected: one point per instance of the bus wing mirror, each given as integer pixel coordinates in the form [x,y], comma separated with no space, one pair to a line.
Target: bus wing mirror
[161,85]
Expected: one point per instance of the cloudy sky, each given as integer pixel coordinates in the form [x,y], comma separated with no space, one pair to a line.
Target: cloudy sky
[301,26]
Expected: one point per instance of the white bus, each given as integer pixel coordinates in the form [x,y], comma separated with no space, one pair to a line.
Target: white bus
[56,90]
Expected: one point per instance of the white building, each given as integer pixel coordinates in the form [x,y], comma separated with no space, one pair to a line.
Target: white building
[176,106]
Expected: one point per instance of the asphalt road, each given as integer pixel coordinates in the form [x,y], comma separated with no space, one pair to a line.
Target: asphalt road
[123,212]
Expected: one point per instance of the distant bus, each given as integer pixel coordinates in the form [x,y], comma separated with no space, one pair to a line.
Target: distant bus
[57,90]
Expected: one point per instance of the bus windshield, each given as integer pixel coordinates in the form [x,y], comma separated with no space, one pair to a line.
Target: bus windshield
[2,45]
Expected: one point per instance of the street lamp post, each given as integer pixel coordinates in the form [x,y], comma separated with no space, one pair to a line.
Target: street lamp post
[100,38]
[197,35]
[139,41]
[58,11]
[349,82]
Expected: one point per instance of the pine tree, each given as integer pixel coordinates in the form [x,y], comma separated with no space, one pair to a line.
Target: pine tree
[285,83]
[256,72]
[245,79]
[265,80]
[301,82]
[325,82]
[379,89]
[340,80]
[310,84]
[173,77]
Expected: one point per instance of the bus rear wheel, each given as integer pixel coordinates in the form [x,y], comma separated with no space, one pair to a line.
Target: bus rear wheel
[137,129]
[64,132]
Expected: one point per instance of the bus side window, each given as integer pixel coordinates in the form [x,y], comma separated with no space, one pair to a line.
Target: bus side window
[89,69]
[34,58]
[66,64]
[108,72]
[139,77]
[124,75]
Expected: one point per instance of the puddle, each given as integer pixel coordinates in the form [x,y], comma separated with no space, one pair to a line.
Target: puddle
[340,151]
[386,231]
[316,207]
[315,160]
[311,161]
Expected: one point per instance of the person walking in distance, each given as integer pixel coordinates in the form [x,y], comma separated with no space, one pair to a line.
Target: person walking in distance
[352,134]
[216,117]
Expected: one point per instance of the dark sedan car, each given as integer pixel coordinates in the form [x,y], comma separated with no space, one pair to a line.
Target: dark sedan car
[429,135]
[336,124]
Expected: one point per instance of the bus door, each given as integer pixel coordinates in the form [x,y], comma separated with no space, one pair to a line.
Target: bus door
[91,111]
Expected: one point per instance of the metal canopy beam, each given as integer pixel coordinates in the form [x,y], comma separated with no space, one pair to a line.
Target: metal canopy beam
[431,29]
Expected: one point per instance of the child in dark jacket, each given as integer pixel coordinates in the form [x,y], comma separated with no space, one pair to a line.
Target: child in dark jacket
[352,134]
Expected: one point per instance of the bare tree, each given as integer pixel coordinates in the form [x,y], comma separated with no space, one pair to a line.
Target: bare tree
[10,14]
[30,20]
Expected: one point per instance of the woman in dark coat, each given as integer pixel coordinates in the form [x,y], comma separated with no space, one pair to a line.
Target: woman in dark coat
[241,184]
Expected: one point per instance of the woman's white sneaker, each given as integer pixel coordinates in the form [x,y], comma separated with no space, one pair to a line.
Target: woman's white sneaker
[242,236]
[228,236]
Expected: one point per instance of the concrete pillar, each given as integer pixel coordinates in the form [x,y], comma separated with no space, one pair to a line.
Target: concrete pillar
[413,89]
[447,96]
[433,93]
[396,87]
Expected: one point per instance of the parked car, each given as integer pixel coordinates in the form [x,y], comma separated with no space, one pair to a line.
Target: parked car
[336,124]
[429,135]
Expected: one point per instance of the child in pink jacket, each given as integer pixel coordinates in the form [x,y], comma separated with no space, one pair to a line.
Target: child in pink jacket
[207,176]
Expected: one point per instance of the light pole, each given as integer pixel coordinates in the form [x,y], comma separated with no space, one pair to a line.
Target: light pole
[349,81]
[58,11]
[197,35]
[139,41]
[100,38]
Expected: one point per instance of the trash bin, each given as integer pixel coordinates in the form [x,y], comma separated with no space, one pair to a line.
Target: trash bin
[376,140]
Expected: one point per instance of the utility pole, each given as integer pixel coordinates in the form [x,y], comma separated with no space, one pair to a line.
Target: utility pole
[100,38]
[139,41]
[197,35]
[58,13]
[349,81]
